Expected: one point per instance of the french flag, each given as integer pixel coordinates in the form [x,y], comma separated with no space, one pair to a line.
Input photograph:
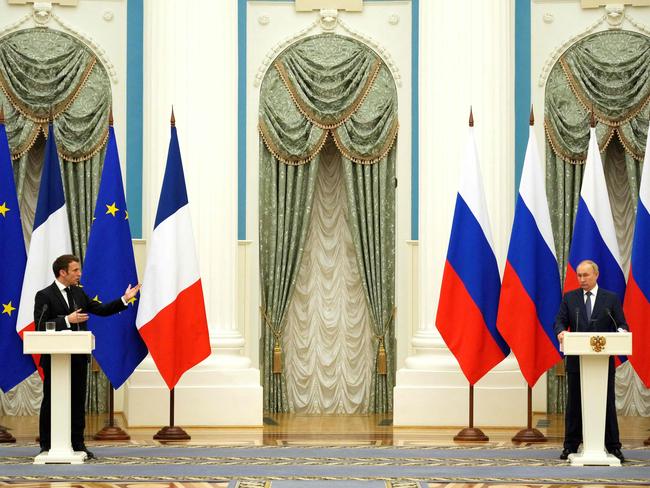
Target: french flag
[531,291]
[50,237]
[637,295]
[469,294]
[171,318]
[594,236]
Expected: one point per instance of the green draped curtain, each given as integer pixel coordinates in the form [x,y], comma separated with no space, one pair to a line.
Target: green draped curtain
[607,73]
[43,73]
[327,86]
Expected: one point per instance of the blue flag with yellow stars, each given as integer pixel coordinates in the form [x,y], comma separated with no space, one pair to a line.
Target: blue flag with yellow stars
[109,267]
[14,365]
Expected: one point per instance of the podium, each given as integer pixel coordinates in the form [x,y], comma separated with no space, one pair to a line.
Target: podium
[60,345]
[594,349]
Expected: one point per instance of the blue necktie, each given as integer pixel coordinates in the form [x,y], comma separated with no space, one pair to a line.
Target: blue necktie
[588,305]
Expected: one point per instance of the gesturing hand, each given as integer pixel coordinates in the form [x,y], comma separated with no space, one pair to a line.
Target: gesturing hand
[131,292]
[77,317]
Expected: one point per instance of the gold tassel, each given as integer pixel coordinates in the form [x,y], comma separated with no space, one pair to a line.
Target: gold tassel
[381,359]
[277,359]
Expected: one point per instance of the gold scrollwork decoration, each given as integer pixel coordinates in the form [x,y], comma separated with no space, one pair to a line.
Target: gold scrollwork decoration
[598,343]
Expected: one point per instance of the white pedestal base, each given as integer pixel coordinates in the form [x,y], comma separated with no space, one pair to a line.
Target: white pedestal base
[60,456]
[594,459]
[203,397]
[441,398]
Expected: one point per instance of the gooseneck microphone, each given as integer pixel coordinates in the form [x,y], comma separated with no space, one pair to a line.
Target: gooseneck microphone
[43,310]
[609,312]
[577,319]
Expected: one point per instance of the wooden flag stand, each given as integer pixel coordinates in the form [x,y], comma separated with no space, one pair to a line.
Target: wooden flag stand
[6,437]
[529,434]
[471,433]
[171,432]
[111,432]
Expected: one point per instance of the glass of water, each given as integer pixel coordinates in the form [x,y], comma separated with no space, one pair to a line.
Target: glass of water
[50,326]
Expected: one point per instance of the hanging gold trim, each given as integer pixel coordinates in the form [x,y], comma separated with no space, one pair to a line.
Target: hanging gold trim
[57,109]
[28,144]
[555,146]
[388,145]
[95,150]
[589,106]
[286,158]
[382,362]
[627,146]
[307,111]
[276,365]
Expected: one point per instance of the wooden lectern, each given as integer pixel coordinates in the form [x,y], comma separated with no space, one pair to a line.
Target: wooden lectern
[59,345]
[594,349]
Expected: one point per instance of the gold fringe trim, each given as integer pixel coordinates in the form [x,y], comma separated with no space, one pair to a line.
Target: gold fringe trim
[388,145]
[276,367]
[382,363]
[287,159]
[95,150]
[628,148]
[609,138]
[587,105]
[21,151]
[57,109]
[307,112]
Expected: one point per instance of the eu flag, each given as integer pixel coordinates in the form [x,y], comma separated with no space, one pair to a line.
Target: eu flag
[109,267]
[14,365]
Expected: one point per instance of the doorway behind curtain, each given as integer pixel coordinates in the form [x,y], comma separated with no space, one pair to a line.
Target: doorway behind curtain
[328,336]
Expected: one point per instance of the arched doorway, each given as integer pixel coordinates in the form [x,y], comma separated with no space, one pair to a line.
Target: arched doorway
[327,87]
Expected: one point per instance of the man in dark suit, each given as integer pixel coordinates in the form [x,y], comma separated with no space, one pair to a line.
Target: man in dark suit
[589,309]
[66,304]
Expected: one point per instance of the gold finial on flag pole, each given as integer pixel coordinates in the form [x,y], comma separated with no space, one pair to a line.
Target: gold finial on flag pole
[173,119]
[110,117]
[532,115]
[471,117]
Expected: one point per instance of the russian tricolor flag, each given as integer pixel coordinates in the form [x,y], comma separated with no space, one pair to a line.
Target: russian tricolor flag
[594,235]
[469,295]
[530,292]
[50,237]
[171,318]
[637,295]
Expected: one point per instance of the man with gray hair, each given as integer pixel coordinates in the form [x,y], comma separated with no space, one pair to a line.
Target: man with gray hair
[589,309]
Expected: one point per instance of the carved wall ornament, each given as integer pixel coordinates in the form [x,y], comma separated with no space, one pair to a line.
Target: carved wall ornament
[263,20]
[393,19]
[597,343]
[42,12]
[615,15]
[329,18]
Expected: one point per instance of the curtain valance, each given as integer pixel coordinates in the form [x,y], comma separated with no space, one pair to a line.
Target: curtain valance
[43,70]
[345,91]
[609,73]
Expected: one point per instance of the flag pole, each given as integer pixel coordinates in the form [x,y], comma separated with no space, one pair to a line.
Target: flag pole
[529,434]
[111,432]
[171,432]
[471,433]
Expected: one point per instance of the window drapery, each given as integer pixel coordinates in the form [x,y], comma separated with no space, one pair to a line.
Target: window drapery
[327,86]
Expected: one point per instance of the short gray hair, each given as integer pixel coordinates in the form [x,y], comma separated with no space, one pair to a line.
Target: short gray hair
[590,262]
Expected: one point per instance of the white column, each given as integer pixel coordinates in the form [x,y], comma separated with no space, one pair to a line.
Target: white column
[466,59]
[190,57]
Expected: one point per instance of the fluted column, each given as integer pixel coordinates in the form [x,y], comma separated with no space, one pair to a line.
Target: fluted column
[466,59]
[191,63]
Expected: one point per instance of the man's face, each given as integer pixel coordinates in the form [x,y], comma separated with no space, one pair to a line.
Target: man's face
[587,276]
[72,275]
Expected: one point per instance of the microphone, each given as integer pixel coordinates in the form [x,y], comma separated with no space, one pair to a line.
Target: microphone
[43,310]
[609,312]
[577,318]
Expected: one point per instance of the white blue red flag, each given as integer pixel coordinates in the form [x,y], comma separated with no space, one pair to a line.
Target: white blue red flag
[171,318]
[109,267]
[50,237]
[594,234]
[531,287]
[637,296]
[14,365]
[469,295]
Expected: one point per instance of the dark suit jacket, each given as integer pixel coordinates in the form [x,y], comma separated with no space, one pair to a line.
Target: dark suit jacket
[606,316]
[57,309]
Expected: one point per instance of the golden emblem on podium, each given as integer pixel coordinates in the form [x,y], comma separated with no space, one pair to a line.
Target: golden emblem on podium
[598,343]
